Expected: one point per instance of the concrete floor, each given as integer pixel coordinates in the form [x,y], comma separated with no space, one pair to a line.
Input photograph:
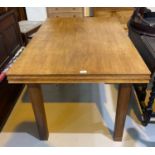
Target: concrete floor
[77,115]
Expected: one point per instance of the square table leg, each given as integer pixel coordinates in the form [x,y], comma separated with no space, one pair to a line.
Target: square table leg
[121,111]
[39,111]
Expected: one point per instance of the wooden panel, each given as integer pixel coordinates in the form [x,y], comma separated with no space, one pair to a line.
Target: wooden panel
[8,96]
[3,54]
[3,10]
[10,37]
[10,42]
[19,11]
[64,9]
[123,14]
[64,12]
[67,47]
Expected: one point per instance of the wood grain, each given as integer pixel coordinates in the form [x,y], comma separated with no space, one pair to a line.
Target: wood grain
[122,14]
[122,108]
[53,12]
[65,46]
[39,110]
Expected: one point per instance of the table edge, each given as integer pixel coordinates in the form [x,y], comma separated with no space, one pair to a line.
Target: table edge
[144,78]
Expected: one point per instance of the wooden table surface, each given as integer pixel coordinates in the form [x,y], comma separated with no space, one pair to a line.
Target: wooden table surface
[80,50]
[73,50]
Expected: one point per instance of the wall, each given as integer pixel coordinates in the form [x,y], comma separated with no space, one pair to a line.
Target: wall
[36,13]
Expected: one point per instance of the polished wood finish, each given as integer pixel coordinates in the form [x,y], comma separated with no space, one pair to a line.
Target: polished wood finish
[19,11]
[9,45]
[69,50]
[64,47]
[10,42]
[122,108]
[39,111]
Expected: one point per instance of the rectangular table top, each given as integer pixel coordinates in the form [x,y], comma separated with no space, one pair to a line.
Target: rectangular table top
[79,50]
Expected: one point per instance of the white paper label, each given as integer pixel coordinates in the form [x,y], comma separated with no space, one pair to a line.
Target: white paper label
[83,72]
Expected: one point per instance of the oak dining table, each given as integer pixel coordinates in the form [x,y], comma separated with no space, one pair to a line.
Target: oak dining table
[79,50]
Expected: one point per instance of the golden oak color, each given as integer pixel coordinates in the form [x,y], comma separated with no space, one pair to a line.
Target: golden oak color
[80,50]
[72,50]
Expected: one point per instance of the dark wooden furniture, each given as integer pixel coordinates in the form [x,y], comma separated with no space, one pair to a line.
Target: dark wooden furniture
[79,50]
[142,33]
[19,11]
[10,43]
[10,38]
